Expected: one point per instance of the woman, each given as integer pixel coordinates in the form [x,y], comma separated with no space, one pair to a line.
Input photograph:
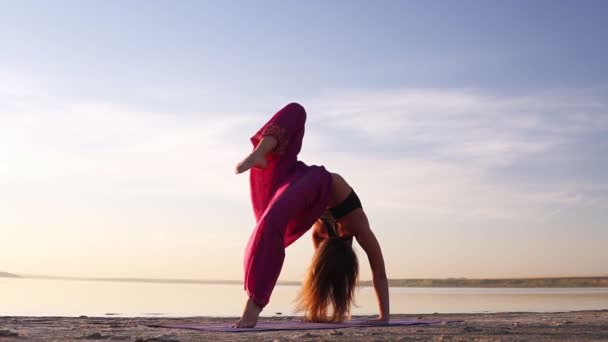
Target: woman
[289,197]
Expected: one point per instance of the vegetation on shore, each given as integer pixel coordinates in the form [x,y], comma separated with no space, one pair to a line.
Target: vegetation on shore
[513,282]
[8,275]
[556,282]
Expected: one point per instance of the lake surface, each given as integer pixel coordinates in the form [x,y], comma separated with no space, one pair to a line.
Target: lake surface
[36,297]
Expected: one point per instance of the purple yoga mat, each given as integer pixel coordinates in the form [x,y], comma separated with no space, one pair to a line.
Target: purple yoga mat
[295,325]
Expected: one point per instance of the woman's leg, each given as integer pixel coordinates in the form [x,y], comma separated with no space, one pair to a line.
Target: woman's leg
[282,137]
[287,127]
[285,220]
[257,158]
[264,256]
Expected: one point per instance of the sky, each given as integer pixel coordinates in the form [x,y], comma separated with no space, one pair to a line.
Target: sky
[475,132]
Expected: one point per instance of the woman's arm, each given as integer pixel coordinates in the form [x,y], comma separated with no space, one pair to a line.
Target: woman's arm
[370,245]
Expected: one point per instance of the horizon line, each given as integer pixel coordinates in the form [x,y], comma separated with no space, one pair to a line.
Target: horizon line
[282,282]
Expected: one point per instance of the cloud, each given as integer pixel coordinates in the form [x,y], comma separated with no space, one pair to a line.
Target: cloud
[463,135]
[464,125]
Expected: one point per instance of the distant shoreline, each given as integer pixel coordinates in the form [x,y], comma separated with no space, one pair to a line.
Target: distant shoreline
[557,282]
[8,275]
[560,282]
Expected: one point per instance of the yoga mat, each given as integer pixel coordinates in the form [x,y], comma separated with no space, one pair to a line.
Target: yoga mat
[296,325]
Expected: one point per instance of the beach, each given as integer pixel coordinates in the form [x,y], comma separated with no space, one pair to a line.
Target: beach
[510,326]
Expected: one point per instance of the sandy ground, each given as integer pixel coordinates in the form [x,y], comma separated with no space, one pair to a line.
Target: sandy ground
[518,326]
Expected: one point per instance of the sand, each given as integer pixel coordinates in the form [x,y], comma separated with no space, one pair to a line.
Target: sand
[516,326]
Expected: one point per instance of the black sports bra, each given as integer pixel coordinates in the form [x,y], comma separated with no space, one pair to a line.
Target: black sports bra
[330,216]
[349,204]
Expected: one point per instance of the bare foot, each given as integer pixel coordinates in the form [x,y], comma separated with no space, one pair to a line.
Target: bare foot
[253,160]
[250,315]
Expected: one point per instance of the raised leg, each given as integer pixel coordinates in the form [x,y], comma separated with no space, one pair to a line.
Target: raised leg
[257,158]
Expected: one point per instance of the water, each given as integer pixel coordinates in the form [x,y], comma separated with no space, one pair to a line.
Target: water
[35,297]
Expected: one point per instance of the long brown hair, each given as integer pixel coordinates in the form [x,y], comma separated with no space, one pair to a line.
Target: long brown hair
[330,282]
